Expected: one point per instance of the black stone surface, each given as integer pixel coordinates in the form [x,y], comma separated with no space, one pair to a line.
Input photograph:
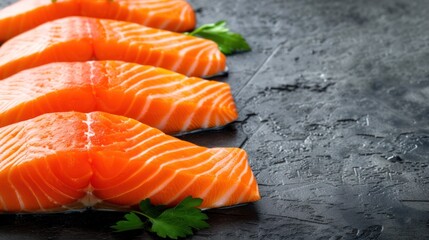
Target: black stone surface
[334,114]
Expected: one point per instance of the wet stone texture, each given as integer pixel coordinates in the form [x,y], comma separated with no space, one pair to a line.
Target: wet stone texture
[334,114]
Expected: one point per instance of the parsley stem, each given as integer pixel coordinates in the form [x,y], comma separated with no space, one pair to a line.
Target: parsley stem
[141,214]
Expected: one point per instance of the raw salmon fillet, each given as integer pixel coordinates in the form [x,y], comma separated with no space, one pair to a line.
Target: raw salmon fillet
[160,98]
[82,39]
[173,15]
[69,160]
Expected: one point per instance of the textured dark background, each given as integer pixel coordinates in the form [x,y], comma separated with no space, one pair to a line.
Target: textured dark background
[334,114]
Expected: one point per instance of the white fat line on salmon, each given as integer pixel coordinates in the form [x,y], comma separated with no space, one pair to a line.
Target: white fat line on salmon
[8,150]
[184,51]
[141,143]
[182,18]
[223,200]
[240,163]
[18,157]
[149,98]
[176,160]
[89,133]
[136,71]
[14,100]
[92,69]
[31,186]
[11,94]
[122,29]
[18,195]
[129,37]
[237,162]
[201,102]
[160,12]
[163,122]
[226,196]
[142,82]
[206,51]
[196,62]
[89,199]
[3,204]
[177,92]
[17,151]
[41,183]
[224,167]
[211,61]
[215,105]
[153,147]
[161,6]
[179,42]
[165,40]
[162,185]
[197,176]
[148,18]
[243,194]
[154,174]
[88,28]
[130,15]
[202,174]
[119,11]
[139,54]
[125,70]
[147,55]
[160,59]
[115,30]
[144,35]
[195,43]
[14,90]
[217,121]
[4,140]
[141,133]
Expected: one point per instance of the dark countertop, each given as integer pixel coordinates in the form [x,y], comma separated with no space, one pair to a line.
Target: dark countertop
[334,114]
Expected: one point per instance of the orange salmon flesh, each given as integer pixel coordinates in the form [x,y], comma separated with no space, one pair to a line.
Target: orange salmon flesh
[69,160]
[172,15]
[76,39]
[157,97]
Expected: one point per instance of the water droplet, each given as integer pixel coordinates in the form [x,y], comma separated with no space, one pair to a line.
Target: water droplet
[395,158]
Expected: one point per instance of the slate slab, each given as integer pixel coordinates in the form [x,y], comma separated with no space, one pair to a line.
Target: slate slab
[334,113]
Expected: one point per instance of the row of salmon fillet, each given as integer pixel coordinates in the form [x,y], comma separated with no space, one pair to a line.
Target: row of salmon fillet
[89,90]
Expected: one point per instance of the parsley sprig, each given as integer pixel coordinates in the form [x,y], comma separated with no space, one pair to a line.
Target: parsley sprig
[229,42]
[175,222]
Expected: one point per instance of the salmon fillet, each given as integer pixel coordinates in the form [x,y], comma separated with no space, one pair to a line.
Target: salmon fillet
[69,160]
[173,15]
[160,98]
[82,39]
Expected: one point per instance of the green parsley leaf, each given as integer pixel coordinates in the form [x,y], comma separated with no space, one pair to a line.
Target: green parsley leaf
[132,222]
[228,42]
[179,221]
[150,210]
[176,222]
